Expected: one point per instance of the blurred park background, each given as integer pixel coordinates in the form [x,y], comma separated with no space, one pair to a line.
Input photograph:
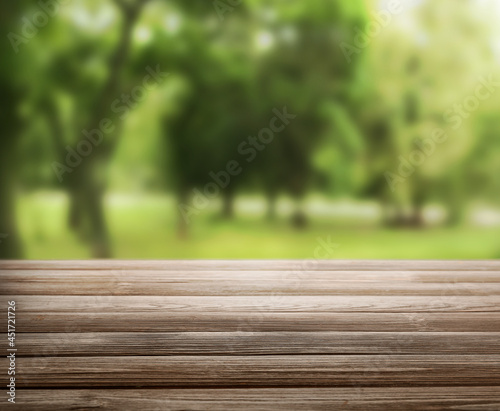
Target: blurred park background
[250,128]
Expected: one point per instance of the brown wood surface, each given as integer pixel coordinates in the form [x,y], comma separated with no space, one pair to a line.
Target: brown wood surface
[258,320]
[244,304]
[232,283]
[253,399]
[243,265]
[256,343]
[254,335]
[259,371]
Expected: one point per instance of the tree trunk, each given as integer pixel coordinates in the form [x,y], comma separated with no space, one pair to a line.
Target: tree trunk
[10,242]
[228,205]
[455,199]
[271,206]
[86,187]
[100,241]
[397,218]
[299,218]
[86,209]
[75,217]
[182,224]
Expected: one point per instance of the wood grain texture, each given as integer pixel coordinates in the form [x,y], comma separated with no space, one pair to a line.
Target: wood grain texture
[162,321]
[247,304]
[258,371]
[188,276]
[255,335]
[193,283]
[244,265]
[286,399]
[258,343]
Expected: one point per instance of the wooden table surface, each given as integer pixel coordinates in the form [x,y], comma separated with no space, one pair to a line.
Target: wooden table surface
[254,335]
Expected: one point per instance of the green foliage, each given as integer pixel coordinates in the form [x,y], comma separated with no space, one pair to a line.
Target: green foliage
[356,118]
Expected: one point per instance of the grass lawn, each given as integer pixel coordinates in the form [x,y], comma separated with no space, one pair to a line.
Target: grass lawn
[145,228]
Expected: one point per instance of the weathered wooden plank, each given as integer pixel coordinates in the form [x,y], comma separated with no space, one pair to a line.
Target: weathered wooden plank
[245,304]
[258,371]
[314,399]
[260,343]
[165,284]
[300,265]
[126,288]
[255,321]
[353,324]
[430,276]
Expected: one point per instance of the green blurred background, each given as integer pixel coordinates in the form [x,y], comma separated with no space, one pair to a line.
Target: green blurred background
[144,129]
